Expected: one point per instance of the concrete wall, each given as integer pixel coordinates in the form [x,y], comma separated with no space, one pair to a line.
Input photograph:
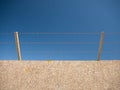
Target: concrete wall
[60,75]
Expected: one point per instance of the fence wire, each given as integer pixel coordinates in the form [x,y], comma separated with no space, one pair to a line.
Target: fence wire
[75,52]
[59,43]
[4,33]
[57,33]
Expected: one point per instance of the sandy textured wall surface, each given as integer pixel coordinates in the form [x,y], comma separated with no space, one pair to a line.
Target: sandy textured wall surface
[60,75]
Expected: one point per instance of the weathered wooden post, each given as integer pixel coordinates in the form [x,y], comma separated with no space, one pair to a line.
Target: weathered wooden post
[100,45]
[17,45]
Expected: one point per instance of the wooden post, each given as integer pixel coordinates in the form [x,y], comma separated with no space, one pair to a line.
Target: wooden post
[100,45]
[17,45]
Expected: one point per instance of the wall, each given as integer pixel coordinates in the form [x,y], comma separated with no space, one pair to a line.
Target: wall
[60,75]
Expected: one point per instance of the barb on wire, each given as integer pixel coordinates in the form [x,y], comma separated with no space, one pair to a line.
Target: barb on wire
[58,33]
[59,43]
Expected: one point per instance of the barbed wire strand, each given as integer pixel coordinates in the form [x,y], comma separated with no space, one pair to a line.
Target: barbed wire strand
[58,33]
[7,43]
[97,33]
[6,33]
[107,52]
[59,52]
[112,32]
[60,43]
[33,52]
[68,42]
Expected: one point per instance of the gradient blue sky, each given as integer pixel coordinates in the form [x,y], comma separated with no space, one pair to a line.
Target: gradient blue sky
[92,16]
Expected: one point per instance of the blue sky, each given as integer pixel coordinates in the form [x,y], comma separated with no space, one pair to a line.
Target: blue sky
[60,16]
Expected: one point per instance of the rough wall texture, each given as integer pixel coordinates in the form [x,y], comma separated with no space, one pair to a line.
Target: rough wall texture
[60,75]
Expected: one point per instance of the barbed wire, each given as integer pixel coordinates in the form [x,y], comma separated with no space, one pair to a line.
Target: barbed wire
[96,33]
[58,33]
[63,33]
[112,32]
[7,43]
[111,43]
[60,43]
[59,52]
[111,52]
[74,52]
[6,33]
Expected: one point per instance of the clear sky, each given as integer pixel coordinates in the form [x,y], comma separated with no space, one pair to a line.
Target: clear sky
[60,16]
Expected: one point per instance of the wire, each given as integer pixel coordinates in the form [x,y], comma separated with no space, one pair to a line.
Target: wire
[69,52]
[61,33]
[111,43]
[7,43]
[62,52]
[59,43]
[110,52]
[112,32]
[6,33]
[57,33]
